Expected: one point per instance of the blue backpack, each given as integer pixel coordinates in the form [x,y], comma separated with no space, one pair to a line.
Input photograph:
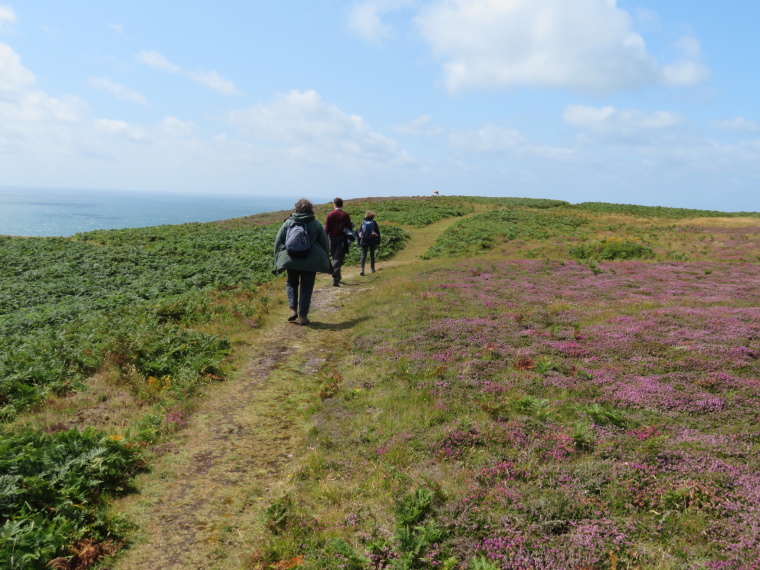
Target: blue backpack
[297,241]
[367,229]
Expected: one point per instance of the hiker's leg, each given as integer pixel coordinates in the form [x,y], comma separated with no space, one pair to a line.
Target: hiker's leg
[307,287]
[363,258]
[291,288]
[372,258]
[338,253]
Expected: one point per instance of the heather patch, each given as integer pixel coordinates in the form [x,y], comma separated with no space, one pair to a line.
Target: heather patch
[559,416]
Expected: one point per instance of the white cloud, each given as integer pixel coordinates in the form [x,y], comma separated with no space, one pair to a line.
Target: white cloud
[13,75]
[315,130]
[419,126]
[737,124]
[155,59]
[123,129]
[585,45]
[365,18]
[495,141]
[118,28]
[209,78]
[7,16]
[626,125]
[488,140]
[117,90]
[177,128]
[684,73]
[689,46]
[214,80]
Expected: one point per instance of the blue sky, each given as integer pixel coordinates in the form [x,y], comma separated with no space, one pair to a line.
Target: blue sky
[582,100]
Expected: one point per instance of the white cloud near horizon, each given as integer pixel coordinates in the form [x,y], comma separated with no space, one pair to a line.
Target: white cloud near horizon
[117,90]
[624,125]
[495,141]
[209,78]
[122,129]
[314,129]
[583,45]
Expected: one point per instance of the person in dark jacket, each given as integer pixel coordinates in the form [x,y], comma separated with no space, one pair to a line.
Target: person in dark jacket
[302,271]
[336,222]
[369,239]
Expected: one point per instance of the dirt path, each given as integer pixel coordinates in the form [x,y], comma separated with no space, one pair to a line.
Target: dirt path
[201,504]
[206,492]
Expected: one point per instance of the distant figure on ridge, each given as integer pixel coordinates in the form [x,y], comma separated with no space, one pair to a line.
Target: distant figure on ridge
[300,248]
[338,221]
[369,239]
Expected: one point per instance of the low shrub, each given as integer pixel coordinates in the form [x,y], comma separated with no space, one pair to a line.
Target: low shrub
[53,490]
[612,248]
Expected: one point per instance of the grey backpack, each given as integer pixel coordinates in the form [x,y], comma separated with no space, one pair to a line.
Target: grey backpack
[297,241]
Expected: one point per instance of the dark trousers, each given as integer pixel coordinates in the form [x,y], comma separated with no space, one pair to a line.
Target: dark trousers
[371,249]
[300,302]
[338,249]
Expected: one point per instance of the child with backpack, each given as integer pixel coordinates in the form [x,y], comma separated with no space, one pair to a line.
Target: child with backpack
[300,248]
[369,239]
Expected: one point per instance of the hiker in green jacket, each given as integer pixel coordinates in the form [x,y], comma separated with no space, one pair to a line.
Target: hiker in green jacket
[300,248]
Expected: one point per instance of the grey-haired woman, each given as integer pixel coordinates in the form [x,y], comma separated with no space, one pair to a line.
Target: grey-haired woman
[302,267]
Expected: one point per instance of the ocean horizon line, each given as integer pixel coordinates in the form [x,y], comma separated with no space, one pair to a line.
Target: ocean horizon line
[63,212]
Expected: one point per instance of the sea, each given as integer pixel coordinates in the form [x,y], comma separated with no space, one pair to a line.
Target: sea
[32,212]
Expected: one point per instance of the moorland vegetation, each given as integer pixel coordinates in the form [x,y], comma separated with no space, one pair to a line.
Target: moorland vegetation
[546,386]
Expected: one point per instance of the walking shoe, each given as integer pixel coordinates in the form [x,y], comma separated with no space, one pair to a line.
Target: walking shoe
[373,270]
[303,321]
[362,273]
[293,315]
[336,284]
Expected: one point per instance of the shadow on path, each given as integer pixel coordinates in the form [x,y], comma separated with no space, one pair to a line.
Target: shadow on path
[345,325]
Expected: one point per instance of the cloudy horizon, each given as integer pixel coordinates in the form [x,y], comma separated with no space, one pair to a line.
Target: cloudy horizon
[579,100]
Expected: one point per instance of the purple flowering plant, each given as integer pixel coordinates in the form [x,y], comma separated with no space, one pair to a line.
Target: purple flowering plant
[562,414]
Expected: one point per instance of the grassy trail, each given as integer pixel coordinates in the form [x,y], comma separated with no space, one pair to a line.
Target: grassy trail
[203,500]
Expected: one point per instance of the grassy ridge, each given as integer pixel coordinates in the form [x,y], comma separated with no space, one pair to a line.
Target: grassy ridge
[659,211]
[492,415]
[561,232]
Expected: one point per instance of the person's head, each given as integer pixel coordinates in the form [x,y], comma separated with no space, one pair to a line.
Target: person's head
[338,202]
[369,214]
[303,206]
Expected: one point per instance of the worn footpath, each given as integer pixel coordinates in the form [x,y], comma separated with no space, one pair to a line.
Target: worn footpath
[201,505]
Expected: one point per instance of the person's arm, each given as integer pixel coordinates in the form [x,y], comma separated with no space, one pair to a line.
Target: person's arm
[328,223]
[279,243]
[279,240]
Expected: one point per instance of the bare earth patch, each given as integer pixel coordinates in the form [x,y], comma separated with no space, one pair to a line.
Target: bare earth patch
[202,502]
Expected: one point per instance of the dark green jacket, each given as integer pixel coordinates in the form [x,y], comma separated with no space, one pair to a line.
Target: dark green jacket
[317,259]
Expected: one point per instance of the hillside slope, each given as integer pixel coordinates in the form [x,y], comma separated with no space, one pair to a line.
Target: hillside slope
[527,384]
